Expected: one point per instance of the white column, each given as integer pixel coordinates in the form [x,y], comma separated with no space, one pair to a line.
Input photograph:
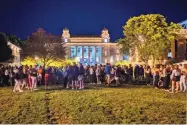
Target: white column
[95,54]
[75,51]
[82,54]
[88,54]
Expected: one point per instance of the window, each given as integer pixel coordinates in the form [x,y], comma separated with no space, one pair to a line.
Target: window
[111,59]
[66,40]
[117,57]
[78,50]
[105,60]
[105,40]
[105,53]
[97,59]
[117,51]
[97,50]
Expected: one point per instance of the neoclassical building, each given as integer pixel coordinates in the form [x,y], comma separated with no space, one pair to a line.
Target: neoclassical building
[90,49]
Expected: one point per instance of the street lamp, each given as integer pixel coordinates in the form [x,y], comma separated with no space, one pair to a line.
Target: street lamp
[36,58]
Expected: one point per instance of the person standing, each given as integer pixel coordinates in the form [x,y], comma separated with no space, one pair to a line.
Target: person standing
[167,73]
[65,76]
[40,75]
[136,72]
[97,71]
[148,75]
[70,76]
[91,75]
[17,85]
[183,79]
[130,71]
[34,78]
[156,76]
[175,76]
[6,76]
[81,76]
[107,72]
[75,76]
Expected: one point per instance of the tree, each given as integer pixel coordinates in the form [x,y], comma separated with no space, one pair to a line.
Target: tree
[16,40]
[150,35]
[5,51]
[46,46]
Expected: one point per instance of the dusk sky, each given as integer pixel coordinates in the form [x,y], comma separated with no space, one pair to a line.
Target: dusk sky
[22,17]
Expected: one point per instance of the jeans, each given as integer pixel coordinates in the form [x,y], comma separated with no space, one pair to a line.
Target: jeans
[34,82]
[183,83]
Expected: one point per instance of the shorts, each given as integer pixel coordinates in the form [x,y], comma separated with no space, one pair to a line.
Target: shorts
[176,78]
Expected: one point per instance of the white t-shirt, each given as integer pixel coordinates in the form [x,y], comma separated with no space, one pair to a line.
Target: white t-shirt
[6,72]
[91,70]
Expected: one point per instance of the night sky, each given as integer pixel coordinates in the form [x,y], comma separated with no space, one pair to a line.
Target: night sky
[22,17]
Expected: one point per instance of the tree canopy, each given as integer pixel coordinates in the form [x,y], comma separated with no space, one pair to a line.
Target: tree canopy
[150,35]
[45,46]
[5,51]
[16,40]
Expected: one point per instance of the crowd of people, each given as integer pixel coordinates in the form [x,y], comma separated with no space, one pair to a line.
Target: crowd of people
[172,78]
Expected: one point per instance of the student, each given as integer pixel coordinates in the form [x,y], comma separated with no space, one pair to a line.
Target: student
[148,75]
[81,76]
[65,76]
[175,76]
[17,85]
[167,73]
[156,76]
[107,72]
[92,75]
[34,78]
[97,71]
[75,76]
[183,79]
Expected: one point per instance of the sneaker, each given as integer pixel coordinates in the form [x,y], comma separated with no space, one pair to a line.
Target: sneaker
[21,91]
[72,88]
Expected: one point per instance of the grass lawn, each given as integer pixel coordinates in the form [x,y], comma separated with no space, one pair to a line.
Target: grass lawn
[127,104]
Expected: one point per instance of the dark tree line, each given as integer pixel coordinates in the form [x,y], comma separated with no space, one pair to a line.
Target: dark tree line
[5,50]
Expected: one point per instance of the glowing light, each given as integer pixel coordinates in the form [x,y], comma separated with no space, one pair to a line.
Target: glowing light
[130,58]
[111,59]
[36,58]
[105,40]
[117,57]
[77,59]
[66,40]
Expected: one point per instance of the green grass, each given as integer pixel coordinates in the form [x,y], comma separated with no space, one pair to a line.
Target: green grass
[128,104]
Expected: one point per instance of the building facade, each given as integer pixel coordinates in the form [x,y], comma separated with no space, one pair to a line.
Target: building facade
[16,53]
[178,49]
[179,46]
[91,50]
